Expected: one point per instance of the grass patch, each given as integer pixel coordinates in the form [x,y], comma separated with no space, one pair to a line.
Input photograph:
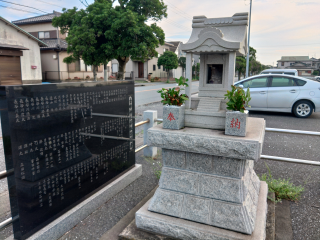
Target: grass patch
[156,164]
[282,188]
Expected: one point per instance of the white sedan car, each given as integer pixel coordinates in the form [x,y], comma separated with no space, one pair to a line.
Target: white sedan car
[281,93]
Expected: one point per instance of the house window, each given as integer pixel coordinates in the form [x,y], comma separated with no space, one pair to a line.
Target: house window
[159,67]
[282,63]
[80,66]
[154,67]
[44,35]
[163,68]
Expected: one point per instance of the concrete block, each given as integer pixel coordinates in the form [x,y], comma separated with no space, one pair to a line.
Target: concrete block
[152,116]
[189,230]
[174,159]
[199,162]
[229,167]
[230,216]
[196,209]
[233,216]
[178,180]
[166,202]
[211,142]
[173,117]
[221,188]
[236,123]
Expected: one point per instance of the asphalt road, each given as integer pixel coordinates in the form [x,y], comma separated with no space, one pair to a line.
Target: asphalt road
[148,94]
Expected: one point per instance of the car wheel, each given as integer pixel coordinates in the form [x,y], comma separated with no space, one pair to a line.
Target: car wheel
[303,109]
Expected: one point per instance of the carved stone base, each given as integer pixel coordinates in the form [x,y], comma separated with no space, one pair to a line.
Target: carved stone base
[187,230]
[213,190]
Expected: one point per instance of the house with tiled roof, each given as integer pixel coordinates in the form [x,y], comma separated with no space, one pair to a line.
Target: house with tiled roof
[52,55]
[303,64]
[140,70]
[19,55]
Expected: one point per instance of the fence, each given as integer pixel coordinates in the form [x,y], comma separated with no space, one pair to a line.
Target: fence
[69,76]
[274,158]
[127,75]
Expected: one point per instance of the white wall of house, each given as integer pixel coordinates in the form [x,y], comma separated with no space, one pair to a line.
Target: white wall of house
[31,57]
[38,27]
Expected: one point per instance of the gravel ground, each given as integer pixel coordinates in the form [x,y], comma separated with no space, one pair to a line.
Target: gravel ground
[305,214]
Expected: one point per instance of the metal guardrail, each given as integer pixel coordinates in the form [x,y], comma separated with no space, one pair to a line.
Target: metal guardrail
[6,173]
[8,221]
[291,160]
[292,131]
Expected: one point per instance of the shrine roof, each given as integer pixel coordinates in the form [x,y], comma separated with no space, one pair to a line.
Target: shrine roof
[226,33]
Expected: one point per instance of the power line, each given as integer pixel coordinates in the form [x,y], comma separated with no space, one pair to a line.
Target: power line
[290,45]
[179,9]
[50,3]
[18,9]
[23,6]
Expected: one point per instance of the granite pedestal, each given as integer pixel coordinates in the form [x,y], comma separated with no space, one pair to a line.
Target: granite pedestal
[207,178]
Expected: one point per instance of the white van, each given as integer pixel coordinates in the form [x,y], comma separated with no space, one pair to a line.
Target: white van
[292,72]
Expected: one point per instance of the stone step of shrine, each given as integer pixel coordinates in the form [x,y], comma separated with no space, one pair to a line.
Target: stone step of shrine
[209,105]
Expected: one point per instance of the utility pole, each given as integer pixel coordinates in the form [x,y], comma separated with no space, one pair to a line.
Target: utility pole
[248,52]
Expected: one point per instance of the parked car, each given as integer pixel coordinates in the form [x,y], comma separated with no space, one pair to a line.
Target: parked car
[281,93]
[318,78]
[293,72]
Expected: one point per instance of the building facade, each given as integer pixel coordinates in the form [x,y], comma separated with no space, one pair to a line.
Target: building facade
[52,55]
[303,64]
[141,70]
[19,55]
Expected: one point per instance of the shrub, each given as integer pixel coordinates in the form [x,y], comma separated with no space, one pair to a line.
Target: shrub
[282,188]
[101,77]
[171,96]
[238,99]
[76,78]
[87,76]
[156,79]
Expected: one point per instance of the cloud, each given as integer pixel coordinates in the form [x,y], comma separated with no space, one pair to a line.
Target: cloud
[307,3]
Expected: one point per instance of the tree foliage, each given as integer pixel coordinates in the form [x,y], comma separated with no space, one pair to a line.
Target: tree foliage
[255,66]
[182,62]
[103,32]
[315,73]
[168,60]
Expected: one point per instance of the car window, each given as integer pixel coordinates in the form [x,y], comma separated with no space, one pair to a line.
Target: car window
[256,83]
[300,82]
[282,82]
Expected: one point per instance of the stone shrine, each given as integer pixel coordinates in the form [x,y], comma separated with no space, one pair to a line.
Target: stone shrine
[218,41]
[208,188]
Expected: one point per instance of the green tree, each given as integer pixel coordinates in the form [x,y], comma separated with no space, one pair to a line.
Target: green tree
[103,32]
[196,70]
[168,60]
[315,73]
[182,62]
[240,66]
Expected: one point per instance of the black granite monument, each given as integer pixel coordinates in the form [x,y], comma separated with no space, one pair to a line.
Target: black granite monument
[64,142]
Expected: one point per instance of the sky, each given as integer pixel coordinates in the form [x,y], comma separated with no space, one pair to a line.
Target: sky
[278,27]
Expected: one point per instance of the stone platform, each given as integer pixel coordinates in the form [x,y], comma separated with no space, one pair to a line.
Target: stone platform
[208,177]
[187,230]
[206,112]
